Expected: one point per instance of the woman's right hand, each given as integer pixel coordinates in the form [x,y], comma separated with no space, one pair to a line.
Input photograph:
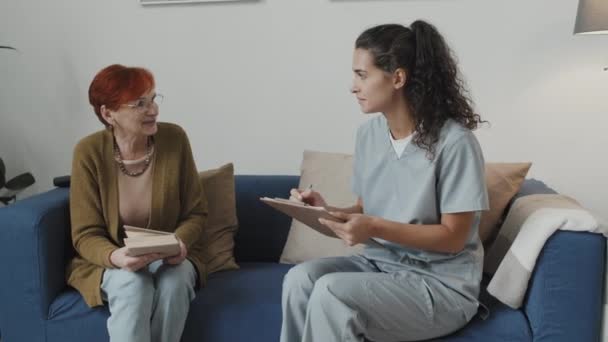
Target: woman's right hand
[308,196]
[122,260]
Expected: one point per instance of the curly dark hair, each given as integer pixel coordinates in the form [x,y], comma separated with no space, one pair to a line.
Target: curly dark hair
[434,88]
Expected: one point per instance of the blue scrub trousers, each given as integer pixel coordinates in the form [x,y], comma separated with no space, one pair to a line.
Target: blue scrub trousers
[351,299]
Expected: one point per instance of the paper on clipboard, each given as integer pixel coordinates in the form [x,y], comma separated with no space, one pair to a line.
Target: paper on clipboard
[307,214]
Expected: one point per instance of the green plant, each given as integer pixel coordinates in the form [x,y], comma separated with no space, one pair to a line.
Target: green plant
[10,189]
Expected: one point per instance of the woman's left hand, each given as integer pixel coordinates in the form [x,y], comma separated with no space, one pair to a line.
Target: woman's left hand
[356,229]
[179,258]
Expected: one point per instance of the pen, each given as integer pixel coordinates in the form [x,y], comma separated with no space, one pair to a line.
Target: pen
[307,189]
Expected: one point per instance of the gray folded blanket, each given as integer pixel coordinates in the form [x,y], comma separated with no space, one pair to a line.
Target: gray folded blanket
[529,223]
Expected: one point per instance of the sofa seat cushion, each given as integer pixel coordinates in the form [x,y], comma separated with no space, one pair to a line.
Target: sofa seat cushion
[236,305]
[239,305]
[245,305]
[70,319]
[503,324]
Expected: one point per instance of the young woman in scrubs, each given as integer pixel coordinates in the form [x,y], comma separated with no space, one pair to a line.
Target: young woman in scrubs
[419,177]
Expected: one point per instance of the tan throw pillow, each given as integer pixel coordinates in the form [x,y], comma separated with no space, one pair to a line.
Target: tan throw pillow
[330,174]
[503,181]
[218,236]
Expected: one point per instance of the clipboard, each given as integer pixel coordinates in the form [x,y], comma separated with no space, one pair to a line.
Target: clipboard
[307,214]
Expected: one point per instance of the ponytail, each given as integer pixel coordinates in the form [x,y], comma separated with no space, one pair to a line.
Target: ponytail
[434,62]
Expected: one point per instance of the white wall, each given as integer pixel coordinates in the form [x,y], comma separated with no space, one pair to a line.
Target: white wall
[258,82]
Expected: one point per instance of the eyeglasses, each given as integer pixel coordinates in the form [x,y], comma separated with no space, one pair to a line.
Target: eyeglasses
[142,105]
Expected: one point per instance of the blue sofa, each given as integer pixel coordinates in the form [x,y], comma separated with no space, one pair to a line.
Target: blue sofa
[563,302]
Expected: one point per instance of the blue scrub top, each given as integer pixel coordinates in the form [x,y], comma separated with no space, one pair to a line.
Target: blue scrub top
[417,190]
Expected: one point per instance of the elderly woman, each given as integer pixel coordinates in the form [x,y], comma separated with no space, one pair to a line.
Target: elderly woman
[136,172]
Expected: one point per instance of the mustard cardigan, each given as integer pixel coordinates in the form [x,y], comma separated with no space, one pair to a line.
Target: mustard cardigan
[178,205]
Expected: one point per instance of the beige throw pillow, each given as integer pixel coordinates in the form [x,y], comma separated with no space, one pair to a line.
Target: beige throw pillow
[218,235]
[503,181]
[330,174]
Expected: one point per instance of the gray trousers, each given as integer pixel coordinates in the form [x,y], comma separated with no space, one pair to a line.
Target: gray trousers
[350,299]
[151,304]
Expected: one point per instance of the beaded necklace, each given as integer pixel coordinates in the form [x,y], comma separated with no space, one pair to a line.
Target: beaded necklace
[121,164]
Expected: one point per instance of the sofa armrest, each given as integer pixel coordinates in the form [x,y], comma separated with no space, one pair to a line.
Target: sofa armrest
[565,293]
[34,248]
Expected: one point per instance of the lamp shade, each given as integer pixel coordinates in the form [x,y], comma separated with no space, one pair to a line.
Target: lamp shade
[592,17]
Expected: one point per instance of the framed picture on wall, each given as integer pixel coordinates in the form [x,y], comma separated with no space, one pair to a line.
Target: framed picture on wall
[167,2]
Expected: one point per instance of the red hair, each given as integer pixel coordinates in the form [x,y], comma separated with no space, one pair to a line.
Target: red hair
[116,85]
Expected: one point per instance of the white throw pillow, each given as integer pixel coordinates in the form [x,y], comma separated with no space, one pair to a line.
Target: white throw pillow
[330,174]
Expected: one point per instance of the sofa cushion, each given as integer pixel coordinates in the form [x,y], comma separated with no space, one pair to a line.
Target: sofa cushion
[70,319]
[503,324]
[245,305]
[218,235]
[531,186]
[262,230]
[503,181]
[235,305]
[241,305]
[330,174]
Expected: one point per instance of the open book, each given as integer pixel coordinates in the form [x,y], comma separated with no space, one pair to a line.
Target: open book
[307,214]
[143,241]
